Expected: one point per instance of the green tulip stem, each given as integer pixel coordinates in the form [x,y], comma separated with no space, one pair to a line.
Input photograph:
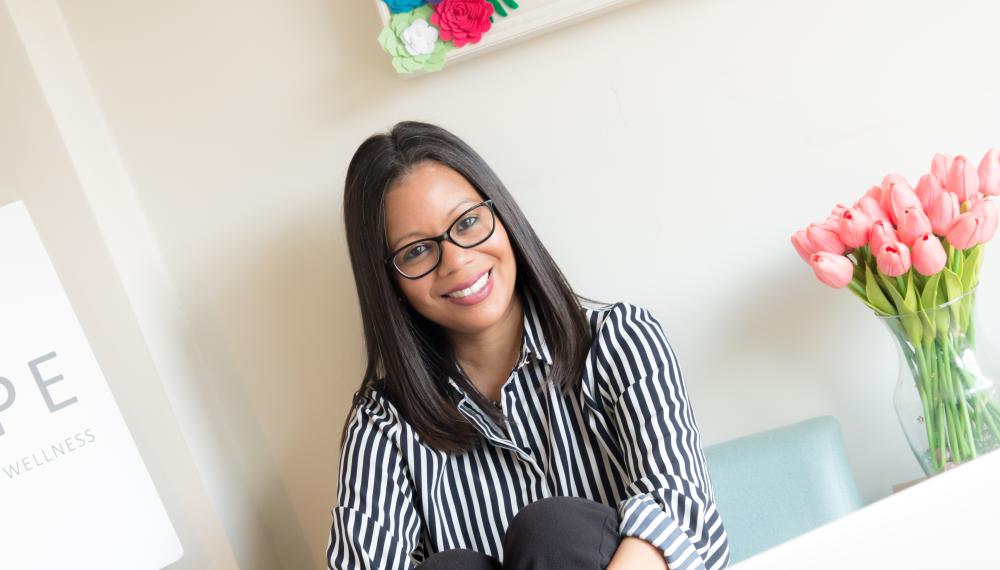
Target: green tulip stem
[961,386]
[941,434]
[923,389]
[992,424]
[950,410]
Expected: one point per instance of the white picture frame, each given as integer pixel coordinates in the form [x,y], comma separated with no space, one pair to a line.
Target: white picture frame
[527,21]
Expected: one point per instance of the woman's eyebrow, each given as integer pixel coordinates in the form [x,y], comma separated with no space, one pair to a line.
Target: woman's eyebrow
[416,233]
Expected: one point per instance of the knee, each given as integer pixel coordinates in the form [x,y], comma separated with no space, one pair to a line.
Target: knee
[460,559]
[553,523]
[543,514]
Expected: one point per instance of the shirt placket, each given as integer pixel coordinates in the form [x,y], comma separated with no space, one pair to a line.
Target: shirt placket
[485,425]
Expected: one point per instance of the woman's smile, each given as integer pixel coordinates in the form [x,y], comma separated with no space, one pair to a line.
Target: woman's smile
[477,292]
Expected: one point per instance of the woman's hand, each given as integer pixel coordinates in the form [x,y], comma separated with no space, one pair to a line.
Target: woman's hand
[637,554]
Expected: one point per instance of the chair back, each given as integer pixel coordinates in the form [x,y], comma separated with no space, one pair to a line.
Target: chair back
[774,485]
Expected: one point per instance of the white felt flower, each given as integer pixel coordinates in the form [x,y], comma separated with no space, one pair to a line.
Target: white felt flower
[419,38]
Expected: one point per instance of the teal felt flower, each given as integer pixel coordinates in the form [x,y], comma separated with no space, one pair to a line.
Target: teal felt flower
[413,42]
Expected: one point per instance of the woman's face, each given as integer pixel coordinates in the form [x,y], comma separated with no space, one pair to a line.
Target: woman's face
[423,204]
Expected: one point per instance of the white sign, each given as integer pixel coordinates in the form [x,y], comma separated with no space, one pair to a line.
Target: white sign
[74,491]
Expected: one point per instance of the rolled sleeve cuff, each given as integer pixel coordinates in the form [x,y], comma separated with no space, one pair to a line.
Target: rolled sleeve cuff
[643,517]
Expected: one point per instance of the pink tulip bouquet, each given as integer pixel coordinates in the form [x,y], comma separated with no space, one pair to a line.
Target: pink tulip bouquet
[912,255]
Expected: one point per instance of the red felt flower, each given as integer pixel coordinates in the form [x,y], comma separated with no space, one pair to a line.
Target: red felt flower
[462,21]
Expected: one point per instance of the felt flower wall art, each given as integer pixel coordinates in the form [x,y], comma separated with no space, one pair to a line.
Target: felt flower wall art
[463,21]
[413,42]
[419,33]
[400,6]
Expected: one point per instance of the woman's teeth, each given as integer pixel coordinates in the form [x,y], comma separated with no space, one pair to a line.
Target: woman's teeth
[474,288]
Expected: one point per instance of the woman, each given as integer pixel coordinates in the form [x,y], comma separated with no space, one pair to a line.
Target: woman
[501,423]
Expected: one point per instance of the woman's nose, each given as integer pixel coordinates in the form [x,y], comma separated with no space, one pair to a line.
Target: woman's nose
[453,257]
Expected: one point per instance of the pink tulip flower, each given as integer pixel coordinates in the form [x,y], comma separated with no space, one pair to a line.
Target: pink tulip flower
[833,270]
[990,214]
[974,199]
[943,212]
[875,192]
[912,224]
[889,185]
[940,165]
[901,198]
[802,245]
[855,228]
[965,230]
[962,179]
[825,239]
[989,173]
[928,189]
[928,255]
[832,222]
[893,259]
[871,208]
[882,233]
[838,210]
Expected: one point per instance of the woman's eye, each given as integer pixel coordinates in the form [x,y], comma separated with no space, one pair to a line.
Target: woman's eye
[467,223]
[414,252]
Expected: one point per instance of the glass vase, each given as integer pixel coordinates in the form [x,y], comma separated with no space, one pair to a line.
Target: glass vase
[946,395]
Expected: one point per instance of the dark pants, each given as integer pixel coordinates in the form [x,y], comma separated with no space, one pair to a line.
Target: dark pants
[550,534]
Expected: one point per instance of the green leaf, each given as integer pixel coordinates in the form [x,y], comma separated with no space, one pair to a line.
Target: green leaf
[897,297]
[907,307]
[499,9]
[953,287]
[911,321]
[943,322]
[876,298]
[952,284]
[928,300]
[910,301]
[970,271]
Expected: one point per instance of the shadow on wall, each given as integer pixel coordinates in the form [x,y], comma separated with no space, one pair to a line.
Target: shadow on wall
[362,76]
[292,315]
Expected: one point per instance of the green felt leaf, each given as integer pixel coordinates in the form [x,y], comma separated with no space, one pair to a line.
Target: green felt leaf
[500,10]
[402,60]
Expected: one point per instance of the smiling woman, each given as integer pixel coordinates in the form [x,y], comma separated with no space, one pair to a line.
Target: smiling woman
[503,420]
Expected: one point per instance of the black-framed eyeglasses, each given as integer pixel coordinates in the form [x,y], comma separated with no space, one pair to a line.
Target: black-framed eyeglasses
[420,257]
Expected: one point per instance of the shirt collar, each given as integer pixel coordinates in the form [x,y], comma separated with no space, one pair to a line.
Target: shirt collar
[533,345]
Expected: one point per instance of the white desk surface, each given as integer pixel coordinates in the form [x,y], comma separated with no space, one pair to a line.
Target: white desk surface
[949,521]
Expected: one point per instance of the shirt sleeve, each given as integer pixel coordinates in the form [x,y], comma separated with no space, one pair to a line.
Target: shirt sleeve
[375,524]
[669,501]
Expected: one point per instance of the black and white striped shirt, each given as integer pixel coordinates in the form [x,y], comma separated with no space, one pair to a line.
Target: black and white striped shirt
[626,438]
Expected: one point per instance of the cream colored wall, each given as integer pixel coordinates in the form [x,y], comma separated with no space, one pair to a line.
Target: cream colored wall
[39,167]
[679,143]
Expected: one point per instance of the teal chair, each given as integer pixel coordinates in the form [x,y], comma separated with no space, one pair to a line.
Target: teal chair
[777,484]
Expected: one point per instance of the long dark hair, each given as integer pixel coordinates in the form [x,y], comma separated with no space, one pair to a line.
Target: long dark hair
[409,357]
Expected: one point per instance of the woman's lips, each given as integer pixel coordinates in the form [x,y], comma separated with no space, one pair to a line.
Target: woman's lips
[475,298]
[467,284]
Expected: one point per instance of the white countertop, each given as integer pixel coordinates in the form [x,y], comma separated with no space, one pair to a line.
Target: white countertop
[949,521]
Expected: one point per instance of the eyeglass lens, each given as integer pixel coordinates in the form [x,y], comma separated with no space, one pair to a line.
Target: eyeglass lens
[472,228]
